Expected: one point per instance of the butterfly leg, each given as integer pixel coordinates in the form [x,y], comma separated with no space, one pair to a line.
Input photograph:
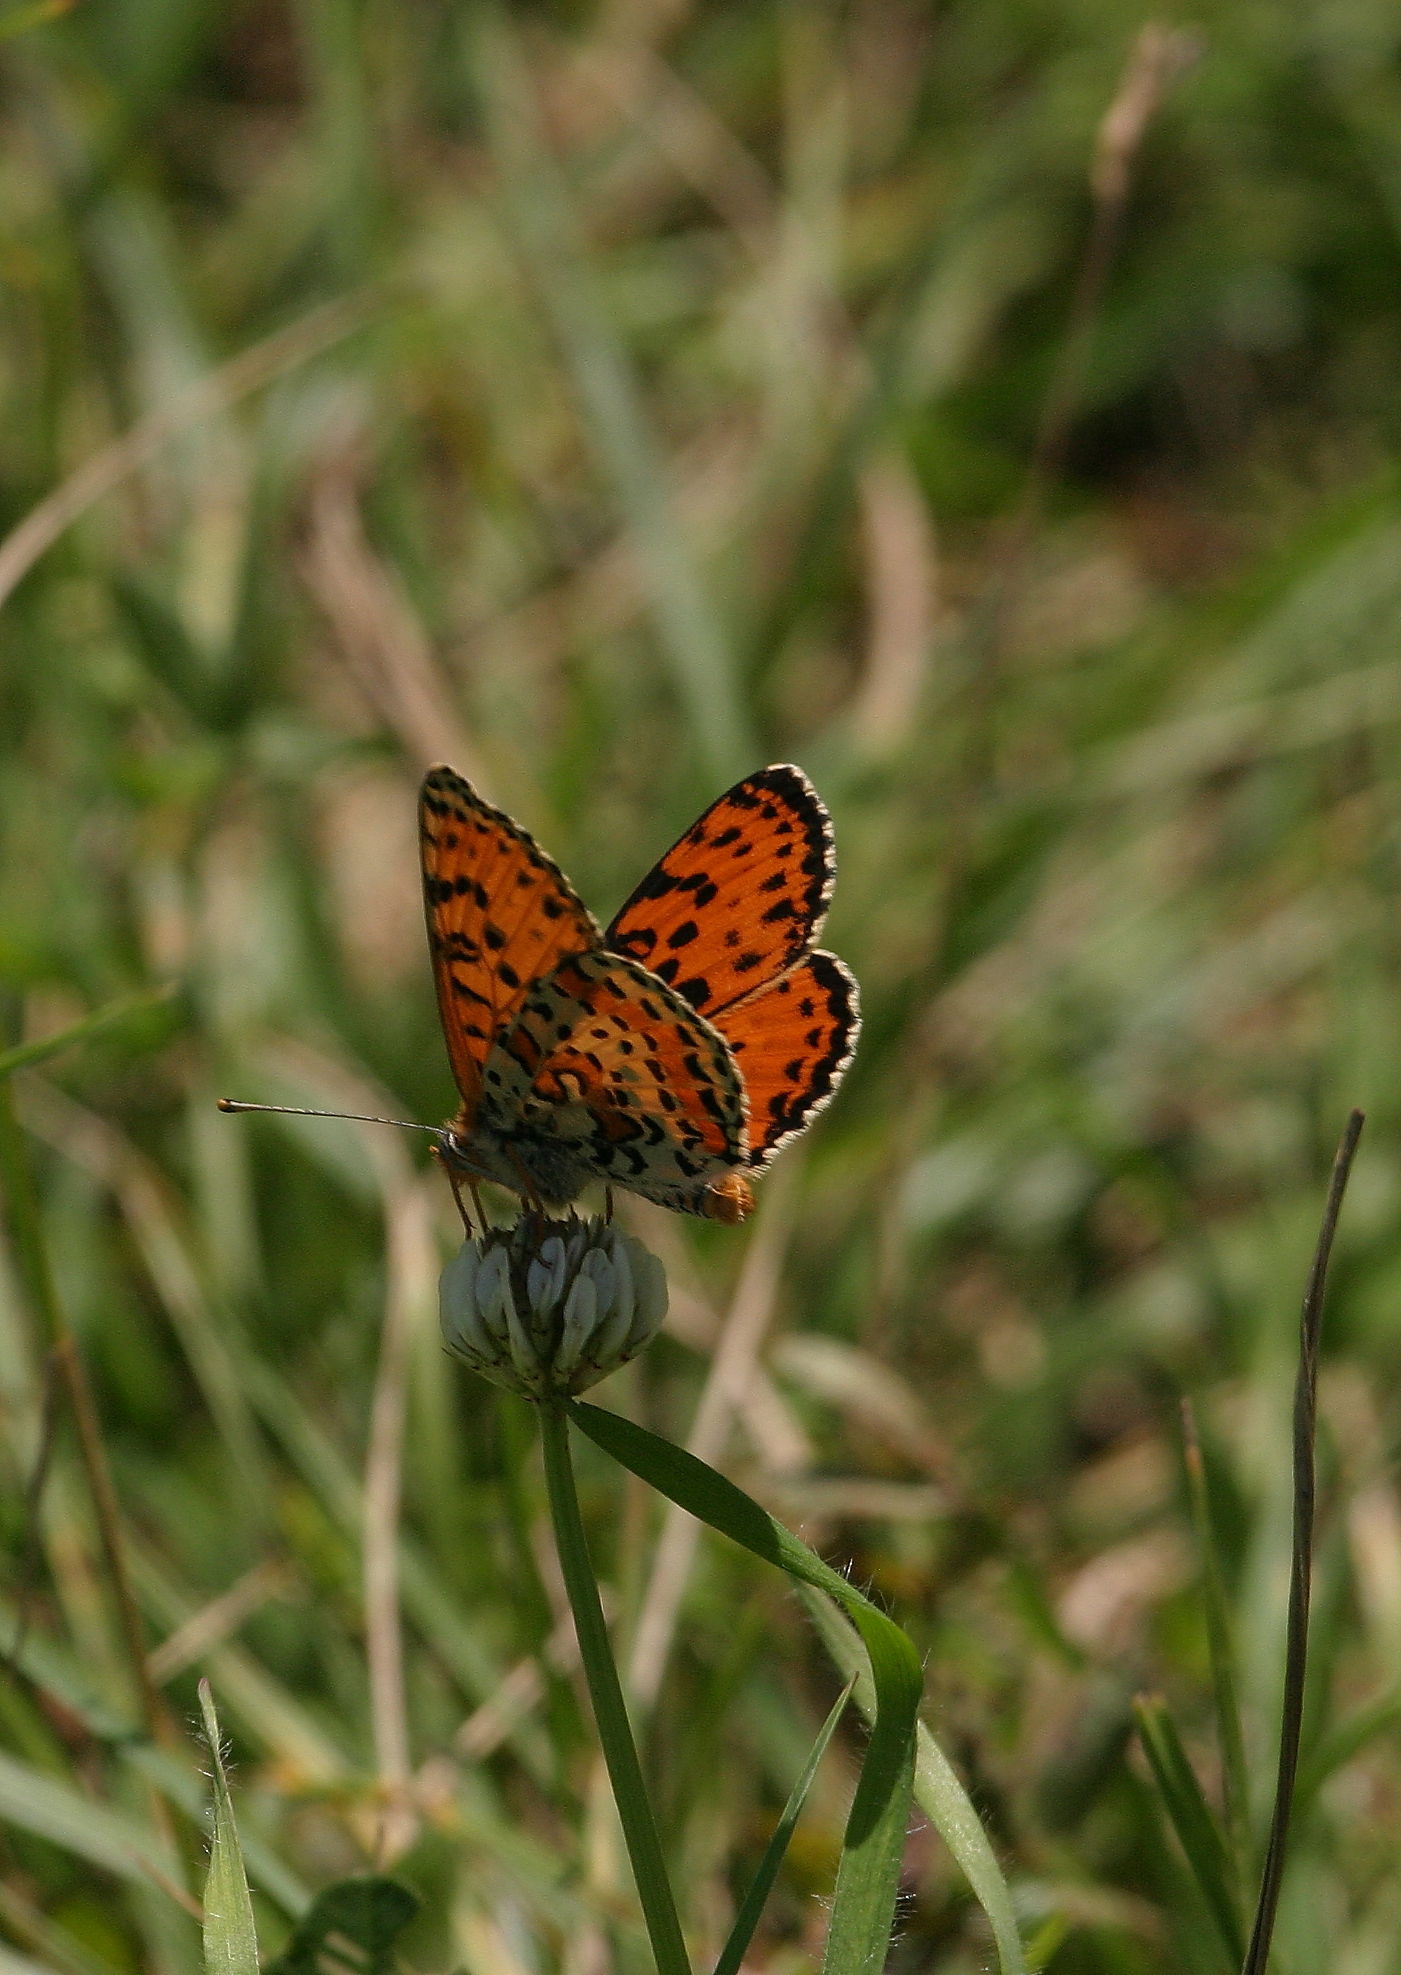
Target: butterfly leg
[608,1206]
[528,1190]
[456,1186]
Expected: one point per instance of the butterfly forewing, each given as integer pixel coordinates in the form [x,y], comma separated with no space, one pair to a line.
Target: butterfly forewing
[739,898]
[792,1042]
[500,916]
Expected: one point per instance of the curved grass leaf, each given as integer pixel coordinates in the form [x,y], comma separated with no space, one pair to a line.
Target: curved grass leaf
[1296,1637]
[545,234]
[867,1880]
[939,1794]
[747,1919]
[47,1808]
[1347,1739]
[1192,1820]
[130,1007]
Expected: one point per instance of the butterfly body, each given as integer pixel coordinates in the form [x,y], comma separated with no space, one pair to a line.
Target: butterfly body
[672,1054]
[557,1125]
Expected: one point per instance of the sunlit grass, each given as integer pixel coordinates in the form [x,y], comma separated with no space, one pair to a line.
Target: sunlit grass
[607,402]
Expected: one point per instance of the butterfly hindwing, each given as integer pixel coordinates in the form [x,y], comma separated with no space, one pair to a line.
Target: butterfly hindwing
[624,1076]
[739,897]
[792,1041]
[500,913]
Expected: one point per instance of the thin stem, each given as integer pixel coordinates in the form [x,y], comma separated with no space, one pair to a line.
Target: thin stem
[1158,56]
[26,1228]
[29,1246]
[606,1693]
[262,363]
[1297,1631]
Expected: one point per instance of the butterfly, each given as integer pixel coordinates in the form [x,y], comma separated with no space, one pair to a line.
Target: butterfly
[672,1054]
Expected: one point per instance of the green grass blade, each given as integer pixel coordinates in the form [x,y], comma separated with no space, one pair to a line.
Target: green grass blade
[545,234]
[949,1808]
[1347,1739]
[263,1861]
[230,1938]
[752,1905]
[864,1905]
[868,1877]
[113,1014]
[939,1794]
[50,1809]
[1192,1820]
[1219,1646]
[1301,1564]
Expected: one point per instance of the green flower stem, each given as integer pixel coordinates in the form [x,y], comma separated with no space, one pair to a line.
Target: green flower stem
[610,1710]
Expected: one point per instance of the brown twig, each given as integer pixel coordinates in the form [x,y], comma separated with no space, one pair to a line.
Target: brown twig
[378,637]
[249,371]
[69,1370]
[1159,55]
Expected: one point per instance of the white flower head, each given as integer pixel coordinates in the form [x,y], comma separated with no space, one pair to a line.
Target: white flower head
[550,1307]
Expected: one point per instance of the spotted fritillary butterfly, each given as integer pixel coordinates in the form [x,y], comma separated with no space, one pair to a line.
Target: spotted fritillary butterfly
[672,1054]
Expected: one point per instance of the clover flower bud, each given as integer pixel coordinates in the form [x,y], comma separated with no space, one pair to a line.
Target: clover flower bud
[553,1306]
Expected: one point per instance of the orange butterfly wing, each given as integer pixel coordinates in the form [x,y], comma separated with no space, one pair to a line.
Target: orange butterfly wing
[740,897]
[657,1081]
[500,916]
[728,917]
[707,1037]
[792,1041]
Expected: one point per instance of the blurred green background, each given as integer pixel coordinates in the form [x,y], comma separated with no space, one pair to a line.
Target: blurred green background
[994,411]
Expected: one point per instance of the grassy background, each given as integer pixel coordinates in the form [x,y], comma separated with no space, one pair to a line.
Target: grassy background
[608,399]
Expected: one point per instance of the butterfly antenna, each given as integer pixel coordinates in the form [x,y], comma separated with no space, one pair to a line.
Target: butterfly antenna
[355,1117]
